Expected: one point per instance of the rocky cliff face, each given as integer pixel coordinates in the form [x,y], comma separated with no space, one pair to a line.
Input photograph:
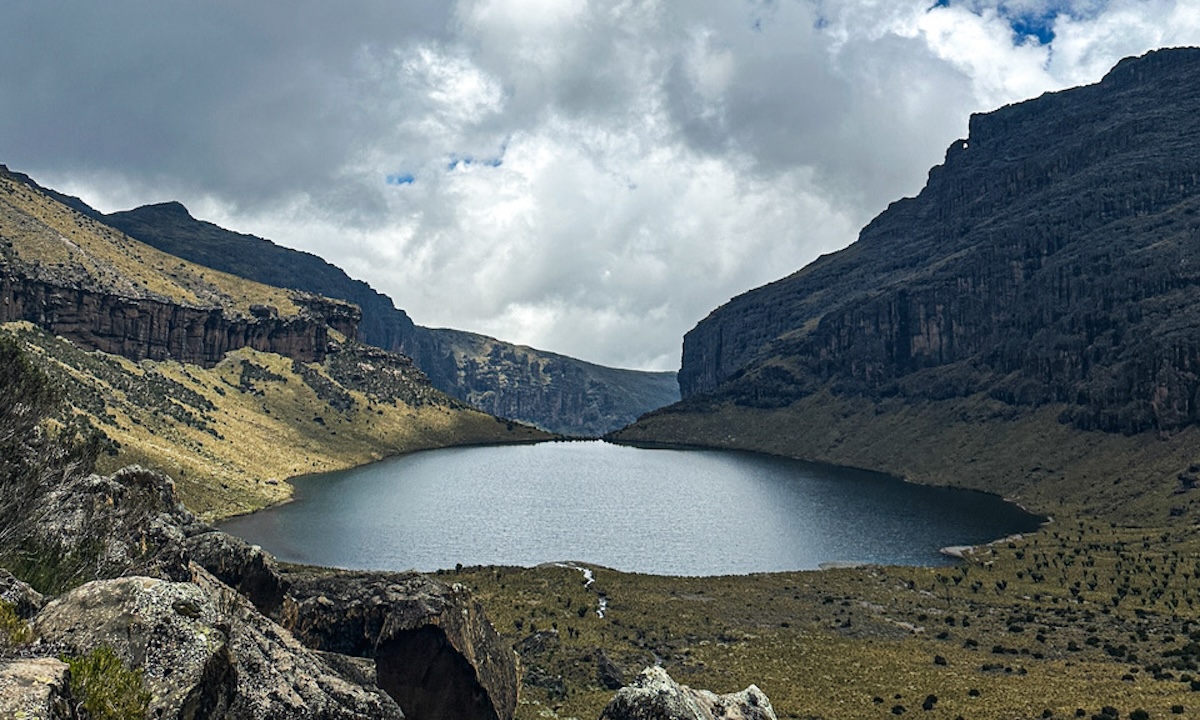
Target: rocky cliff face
[554,392]
[145,328]
[76,278]
[1052,258]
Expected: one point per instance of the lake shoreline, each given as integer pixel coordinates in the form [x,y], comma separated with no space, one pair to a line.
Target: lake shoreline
[553,513]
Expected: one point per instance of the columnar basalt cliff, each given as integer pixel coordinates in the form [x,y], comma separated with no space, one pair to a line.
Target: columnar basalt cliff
[1050,259]
[144,328]
[68,274]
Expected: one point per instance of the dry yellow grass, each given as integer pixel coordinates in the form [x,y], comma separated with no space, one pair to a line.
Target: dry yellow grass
[68,246]
[233,434]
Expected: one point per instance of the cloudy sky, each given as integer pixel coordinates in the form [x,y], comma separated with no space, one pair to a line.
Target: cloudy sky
[590,177]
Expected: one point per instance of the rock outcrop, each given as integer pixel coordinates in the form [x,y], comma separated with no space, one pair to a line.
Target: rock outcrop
[655,696]
[36,688]
[554,392]
[429,644]
[168,630]
[204,651]
[25,601]
[1049,259]
[434,650]
[104,526]
[157,329]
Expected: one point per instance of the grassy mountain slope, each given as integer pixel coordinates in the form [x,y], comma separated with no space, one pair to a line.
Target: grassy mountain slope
[552,391]
[230,435]
[232,432]
[48,240]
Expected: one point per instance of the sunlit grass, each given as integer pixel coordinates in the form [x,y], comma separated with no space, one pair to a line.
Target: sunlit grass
[63,242]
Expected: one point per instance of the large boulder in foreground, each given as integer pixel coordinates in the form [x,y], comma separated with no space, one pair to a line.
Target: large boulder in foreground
[204,651]
[430,645]
[435,652]
[655,696]
[167,629]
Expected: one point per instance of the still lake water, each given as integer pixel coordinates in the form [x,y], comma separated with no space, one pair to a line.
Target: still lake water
[667,512]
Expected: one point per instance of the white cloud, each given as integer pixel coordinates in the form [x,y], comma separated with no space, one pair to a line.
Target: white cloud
[584,176]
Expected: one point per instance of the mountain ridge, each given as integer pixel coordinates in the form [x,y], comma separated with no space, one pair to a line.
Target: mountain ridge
[1044,267]
[550,390]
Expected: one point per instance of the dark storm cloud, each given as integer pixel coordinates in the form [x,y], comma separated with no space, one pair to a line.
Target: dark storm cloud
[244,100]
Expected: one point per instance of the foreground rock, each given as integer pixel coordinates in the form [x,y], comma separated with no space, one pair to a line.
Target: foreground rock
[247,640]
[435,652]
[430,645]
[278,676]
[204,650]
[655,696]
[35,688]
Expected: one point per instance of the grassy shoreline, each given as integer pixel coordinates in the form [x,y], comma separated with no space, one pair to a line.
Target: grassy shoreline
[1017,621]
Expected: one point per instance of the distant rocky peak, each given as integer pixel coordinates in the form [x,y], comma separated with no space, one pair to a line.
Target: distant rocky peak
[1137,69]
[171,208]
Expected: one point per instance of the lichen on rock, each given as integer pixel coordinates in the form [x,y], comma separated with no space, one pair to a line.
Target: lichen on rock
[36,688]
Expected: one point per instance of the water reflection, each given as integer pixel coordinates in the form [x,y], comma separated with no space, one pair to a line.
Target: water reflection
[656,511]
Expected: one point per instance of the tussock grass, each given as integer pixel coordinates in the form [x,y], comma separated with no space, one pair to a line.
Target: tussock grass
[14,632]
[1017,629]
[106,688]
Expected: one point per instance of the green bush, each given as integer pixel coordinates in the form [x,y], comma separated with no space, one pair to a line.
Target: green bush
[106,688]
[14,632]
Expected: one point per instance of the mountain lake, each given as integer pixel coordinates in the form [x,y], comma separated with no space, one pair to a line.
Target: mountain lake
[665,512]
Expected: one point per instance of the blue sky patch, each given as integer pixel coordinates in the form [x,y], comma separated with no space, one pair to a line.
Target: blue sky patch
[1025,22]
[400,179]
[1040,26]
[465,161]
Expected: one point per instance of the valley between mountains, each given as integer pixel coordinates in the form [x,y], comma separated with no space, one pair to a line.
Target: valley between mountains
[1026,326]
